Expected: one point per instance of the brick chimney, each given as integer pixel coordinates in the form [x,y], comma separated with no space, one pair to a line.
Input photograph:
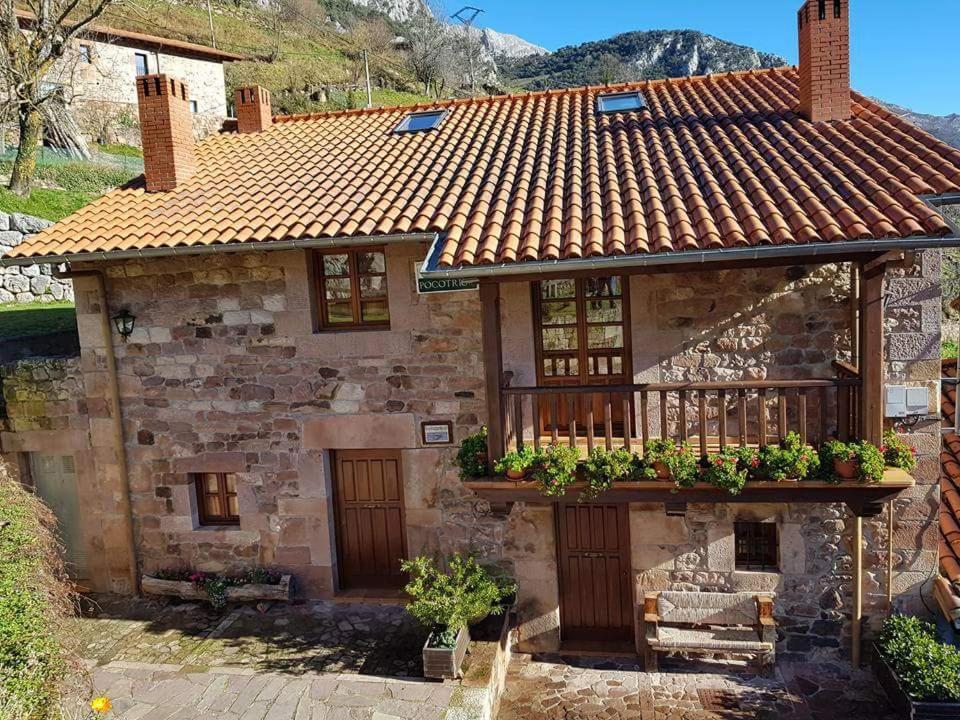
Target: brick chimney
[166,130]
[825,60]
[253,109]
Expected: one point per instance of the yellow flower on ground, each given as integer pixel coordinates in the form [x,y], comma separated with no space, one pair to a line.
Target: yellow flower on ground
[101,704]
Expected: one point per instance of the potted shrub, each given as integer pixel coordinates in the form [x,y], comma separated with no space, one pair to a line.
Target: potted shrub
[920,674]
[516,463]
[670,460]
[448,602]
[897,453]
[857,460]
[723,470]
[472,456]
[604,467]
[555,468]
[790,459]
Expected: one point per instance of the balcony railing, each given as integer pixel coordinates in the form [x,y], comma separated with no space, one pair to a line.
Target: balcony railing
[708,415]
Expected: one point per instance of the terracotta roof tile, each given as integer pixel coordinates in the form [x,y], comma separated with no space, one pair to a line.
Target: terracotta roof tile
[712,162]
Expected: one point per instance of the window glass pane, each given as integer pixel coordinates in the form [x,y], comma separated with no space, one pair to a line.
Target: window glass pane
[602,287]
[372,262]
[557,289]
[231,481]
[234,509]
[212,506]
[210,483]
[559,313]
[619,103]
[336,265]
[605,336]
[420,121]
[339,313]
[373,286]
[560,338]
[338,289]
[616,365]
[143,67]
[604,311]
[374,311]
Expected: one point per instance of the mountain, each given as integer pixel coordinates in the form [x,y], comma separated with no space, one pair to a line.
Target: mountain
[505,45]
[397,10]
[944,127]
[637,55]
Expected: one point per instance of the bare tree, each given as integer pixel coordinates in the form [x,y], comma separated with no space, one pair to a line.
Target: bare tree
[432,52]
[27,59]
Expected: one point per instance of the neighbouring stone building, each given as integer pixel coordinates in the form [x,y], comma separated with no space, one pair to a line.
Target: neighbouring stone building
[292,394]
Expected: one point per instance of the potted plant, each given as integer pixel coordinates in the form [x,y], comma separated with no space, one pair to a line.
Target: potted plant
[790,459]
[722,470]
[472,456]
[670,460]
[604,467]
[448,602]
[920,674]
[555,468]
[897,453]
[748,459]
[857,460]
[516,463]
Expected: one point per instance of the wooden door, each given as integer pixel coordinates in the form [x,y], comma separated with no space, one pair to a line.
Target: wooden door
[371,543]
[593,544]
[55,482]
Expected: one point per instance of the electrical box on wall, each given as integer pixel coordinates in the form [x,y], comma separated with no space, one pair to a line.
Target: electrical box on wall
[903,401]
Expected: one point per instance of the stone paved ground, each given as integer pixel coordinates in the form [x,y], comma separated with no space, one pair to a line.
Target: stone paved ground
[552,687]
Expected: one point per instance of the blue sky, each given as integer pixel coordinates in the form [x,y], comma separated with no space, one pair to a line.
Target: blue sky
[904,51]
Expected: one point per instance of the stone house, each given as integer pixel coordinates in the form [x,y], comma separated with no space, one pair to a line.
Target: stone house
[726,257]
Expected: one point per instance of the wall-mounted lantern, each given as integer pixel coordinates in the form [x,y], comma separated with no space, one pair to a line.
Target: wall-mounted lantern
[124,320]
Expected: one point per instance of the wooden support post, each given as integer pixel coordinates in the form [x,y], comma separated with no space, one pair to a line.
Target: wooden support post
[871,361]
[493,369]
[890,556]
[857,615]
[854,313]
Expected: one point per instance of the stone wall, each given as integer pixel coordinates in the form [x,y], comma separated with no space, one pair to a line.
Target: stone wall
[27,283]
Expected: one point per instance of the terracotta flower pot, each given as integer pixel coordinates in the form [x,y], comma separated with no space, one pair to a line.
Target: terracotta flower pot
[663,472]
[516,474]
[846,469]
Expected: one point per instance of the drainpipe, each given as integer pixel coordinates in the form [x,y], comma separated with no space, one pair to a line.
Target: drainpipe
[113,386]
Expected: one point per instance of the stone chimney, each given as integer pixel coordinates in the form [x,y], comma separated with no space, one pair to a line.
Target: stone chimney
[824,60]
[166,130]
[253,109]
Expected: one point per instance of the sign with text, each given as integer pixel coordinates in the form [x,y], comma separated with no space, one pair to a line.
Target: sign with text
[426,285]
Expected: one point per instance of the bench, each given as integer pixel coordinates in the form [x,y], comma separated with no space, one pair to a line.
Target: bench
[708,622]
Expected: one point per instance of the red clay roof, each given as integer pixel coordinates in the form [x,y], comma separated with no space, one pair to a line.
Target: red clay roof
[950,482]
[715,162]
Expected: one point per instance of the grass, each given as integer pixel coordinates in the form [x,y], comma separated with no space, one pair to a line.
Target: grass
[948,349]
[120,150]
[47,204]
[31,319]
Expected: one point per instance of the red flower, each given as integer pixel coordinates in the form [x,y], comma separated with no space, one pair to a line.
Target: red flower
[883,448]
[755,462]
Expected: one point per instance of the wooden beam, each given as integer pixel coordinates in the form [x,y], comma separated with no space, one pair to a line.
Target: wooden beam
[857,615]
[888,258]
[493,368]
[854,315]
[871,360]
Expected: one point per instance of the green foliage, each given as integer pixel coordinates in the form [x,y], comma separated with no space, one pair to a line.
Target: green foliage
[35,602]
[869,460]
[472,456]
[29,319]
[120,150]
[555,469]
[948,349]
[517,461]
[79,177]
[897,453]
[47,204]
[788,460]
[928,669]
[722,470]
[603,467]
[215,586]
[679,459]
[448,600]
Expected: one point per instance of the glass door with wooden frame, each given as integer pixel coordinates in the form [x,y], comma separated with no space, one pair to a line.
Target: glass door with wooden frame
[582,338]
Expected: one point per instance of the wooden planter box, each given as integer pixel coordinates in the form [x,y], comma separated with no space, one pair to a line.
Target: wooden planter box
[186,590]
[444,663]
[903,703]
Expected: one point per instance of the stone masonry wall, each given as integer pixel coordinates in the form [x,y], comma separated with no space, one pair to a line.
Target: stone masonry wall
[27,283]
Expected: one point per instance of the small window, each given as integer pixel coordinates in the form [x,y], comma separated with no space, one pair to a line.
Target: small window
[756,546]
[620,102]
[86,53]
[217,498]
[194,107]
[352,289]
[418,121]
[143,65]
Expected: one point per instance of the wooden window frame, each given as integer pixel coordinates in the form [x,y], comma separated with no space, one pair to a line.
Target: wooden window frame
[86,53]
[319,277]
[146,62]
[214,520]
[756,546]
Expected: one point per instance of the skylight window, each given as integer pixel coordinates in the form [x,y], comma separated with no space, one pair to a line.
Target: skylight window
[420,121]
[620,102]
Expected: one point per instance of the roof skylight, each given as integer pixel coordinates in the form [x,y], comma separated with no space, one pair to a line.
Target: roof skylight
[620,102]
[420,121]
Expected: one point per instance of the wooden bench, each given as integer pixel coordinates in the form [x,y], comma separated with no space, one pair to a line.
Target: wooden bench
[707,622]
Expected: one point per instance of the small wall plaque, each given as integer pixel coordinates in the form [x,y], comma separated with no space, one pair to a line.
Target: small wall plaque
[437,433]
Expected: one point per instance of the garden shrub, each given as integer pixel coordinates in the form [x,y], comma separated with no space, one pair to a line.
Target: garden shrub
[36,604]
[927,668]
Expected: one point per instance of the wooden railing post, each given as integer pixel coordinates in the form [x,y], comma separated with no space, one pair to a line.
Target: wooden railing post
[870,362]
[493,368]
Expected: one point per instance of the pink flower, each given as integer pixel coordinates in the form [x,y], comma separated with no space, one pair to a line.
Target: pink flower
[883,448]
[755,462]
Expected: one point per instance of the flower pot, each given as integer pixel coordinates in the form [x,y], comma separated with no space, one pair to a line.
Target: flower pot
[444,663]
[516,474]
[846,469]
[663,472]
